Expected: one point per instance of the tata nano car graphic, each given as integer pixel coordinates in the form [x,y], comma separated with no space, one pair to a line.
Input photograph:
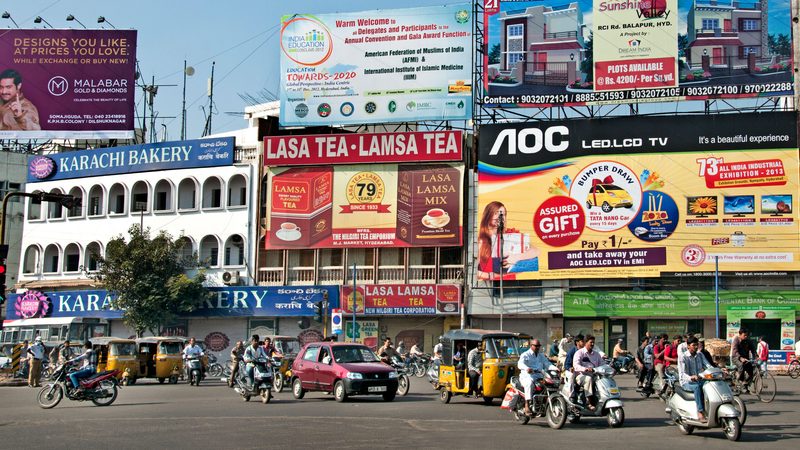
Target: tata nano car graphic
[608,197]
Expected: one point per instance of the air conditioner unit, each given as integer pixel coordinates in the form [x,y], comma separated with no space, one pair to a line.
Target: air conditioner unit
[231,278]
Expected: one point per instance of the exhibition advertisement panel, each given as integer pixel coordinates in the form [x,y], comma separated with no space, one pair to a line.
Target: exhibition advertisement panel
[638,197]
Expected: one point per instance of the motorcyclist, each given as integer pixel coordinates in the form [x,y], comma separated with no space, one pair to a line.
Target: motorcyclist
[690,365]
[402,352]
[584,363]
[569,374]
[87,369]
[270,350]
[251,354]
[192,350]
[531,364]
[236,356]
[564,346]
[620,355]
[439,347]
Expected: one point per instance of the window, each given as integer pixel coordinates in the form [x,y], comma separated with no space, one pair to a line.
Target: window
[234,251]
[515,30]
[237,191]
[139,196]
[96,201]
[54,209]
[31,261]
[76,211]
[8,186]
[72,258]
[744,51]
[212,193]
[187,194]
[311,354]
[163,196]
[515,44]
[51,259]
[34,209]
[209,251]
[710,24]
[93,252]
[116,197]
[186,250]
[749,25]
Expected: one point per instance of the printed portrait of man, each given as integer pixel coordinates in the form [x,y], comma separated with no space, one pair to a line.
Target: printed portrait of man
[16,111]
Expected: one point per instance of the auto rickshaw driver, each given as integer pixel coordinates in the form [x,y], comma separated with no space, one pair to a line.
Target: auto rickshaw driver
[475,368]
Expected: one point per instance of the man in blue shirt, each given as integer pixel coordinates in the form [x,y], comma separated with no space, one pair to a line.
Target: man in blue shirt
[568,367]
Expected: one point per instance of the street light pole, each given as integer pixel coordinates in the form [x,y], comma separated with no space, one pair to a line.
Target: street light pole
[66,201]
[501,224]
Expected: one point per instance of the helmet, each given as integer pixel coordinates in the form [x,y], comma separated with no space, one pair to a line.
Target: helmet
[38,339]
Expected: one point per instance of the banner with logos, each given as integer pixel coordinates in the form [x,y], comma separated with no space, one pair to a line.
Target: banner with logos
[377,205]
[545,53]
[638,197]
[71,84]
[232,301]
[784,315]
[402,299]
[362,148]
[366,332]
[133,158]
[377,66]
[657,304]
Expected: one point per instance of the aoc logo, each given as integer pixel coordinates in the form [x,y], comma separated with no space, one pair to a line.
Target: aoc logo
[532,140]
[306,41]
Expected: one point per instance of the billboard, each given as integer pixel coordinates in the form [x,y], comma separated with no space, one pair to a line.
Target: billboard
[402,299]
[638,197]
[361,148]
[377,66]
[553,52]
[376,205]
[67,84]
[132,158]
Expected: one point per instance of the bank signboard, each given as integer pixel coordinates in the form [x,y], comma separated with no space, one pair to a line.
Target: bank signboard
[552,52]
[375,205]
[655,304]
[232,301]
[132,158]
[376,66]
[72,84]
[638,197]
[363,148]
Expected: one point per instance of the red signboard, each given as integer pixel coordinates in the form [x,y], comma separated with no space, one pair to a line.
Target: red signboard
[361,148]
[402,299]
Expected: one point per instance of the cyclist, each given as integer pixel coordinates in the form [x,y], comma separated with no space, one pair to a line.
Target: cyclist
[742,352]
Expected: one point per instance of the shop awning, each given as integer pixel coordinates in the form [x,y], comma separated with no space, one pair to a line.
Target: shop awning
[40,321]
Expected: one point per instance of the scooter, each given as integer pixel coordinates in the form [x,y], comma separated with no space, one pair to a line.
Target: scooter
[719,406]
[262,384]
[194,370]
[609,402]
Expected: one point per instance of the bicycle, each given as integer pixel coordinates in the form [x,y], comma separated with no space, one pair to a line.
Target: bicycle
[762,384]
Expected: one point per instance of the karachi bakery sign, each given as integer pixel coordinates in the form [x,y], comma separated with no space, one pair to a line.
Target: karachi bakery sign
[402,299]
[134,158]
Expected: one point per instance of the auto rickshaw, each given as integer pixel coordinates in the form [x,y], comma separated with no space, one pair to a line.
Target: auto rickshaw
[117,354]
[289,347]
[500,356]
[160,358]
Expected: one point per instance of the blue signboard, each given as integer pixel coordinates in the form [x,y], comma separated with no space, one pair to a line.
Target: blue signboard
[233,301]
[134,158]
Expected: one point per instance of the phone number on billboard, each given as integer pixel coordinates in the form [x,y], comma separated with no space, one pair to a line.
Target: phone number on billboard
[637,94]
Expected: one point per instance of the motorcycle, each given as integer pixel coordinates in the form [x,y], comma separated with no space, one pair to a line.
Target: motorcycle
[403,378]
[194,369]
[101,388]
[720,407]
[609,402]
[624,364]
[215,369]
[433,372]
[419,365]
[262,384]
[545,401]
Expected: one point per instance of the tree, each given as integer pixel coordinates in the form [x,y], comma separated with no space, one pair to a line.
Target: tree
[587,65]
[494,54]
[147,279]
[783,45]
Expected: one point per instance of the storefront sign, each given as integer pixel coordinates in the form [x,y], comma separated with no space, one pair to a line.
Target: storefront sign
[780,359]
[786,314]
[73,84]
[31,304]
[379,205]
[546,53]
[362,148]
[136,158]
[241,301]
[377,66]
[366,332]
[655,304]
[638,197]
[402,299]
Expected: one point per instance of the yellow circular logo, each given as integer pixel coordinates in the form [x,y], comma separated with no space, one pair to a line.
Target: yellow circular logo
[359,302]
[365,187]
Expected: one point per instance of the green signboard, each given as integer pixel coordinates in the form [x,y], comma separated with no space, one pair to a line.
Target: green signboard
[655,304]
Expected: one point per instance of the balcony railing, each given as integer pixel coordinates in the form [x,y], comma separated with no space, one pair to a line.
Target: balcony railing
[301,276]
[245,154]
[270,276]
[561,35]
[391,274]
[421,274]
[717,32]
[452,273]
[331,275]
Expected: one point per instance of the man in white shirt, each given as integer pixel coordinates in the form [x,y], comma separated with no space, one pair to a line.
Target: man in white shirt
[251,354]
[35,355]
[192,350]
[564,346]
[437,349]
[531,365]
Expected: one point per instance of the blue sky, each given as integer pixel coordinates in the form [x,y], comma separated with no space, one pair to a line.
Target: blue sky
[240,35]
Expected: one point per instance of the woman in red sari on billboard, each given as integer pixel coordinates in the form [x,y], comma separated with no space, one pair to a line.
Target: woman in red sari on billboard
[490,262]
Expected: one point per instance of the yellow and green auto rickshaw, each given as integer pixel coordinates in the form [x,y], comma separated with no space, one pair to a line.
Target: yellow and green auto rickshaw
[288,347]
[501,352]
[160,358]
[117,354]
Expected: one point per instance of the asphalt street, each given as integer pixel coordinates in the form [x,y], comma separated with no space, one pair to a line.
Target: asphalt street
[149,415]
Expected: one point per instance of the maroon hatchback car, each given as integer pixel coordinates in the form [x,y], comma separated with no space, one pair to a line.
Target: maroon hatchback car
[343,369]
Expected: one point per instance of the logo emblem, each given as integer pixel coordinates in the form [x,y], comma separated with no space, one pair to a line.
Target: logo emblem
[324,110]
[58,86]
[32,304]
[693,255]
[301,110]
[306,41]
[347,109]
[462,16]
[392,106]
[370,107]
[41,167]
[410,106]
